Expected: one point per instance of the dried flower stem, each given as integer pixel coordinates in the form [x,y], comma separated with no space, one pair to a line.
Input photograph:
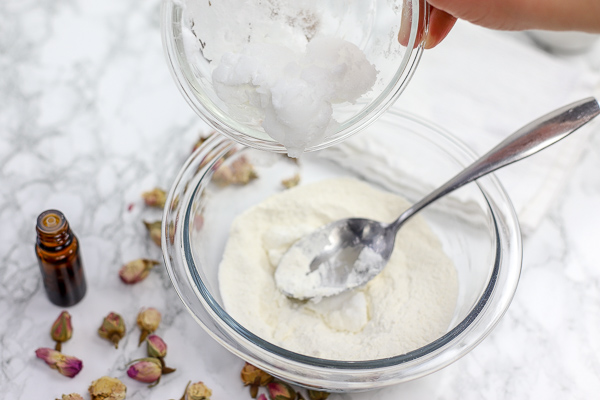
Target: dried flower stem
[185,390]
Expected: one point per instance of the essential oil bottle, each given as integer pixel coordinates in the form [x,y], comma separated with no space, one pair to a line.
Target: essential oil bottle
[57,250]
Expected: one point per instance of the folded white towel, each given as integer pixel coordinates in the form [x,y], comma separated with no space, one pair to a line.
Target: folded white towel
[482,85]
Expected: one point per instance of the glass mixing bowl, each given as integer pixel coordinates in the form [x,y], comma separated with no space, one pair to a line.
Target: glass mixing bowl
[372,25]
[399,153]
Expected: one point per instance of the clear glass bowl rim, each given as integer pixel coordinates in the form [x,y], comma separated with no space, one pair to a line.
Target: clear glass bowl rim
[484,316]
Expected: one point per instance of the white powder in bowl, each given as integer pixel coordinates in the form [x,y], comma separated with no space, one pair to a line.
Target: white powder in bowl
[409,304]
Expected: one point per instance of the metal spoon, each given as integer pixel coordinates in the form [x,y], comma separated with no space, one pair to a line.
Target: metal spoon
[348,253]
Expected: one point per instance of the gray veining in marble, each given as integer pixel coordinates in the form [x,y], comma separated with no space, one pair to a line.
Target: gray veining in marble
[90,118]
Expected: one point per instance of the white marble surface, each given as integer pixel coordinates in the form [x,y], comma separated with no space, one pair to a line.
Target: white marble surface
[89,118]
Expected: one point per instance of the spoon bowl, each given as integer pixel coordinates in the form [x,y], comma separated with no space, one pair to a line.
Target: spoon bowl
[348,253]
[342,254]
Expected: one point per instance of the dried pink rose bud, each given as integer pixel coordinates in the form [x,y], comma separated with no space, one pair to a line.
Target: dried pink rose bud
[155,198]
[66,365]
[72,396]
[136,270]
[62,330]
[197,391]
[157,348]
[280,391]
[148,321]
[148,370]
[317,395]
[112,328]
[262,397]
[154,229]
[107,388]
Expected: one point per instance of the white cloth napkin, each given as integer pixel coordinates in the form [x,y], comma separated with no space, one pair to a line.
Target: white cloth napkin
[482,85]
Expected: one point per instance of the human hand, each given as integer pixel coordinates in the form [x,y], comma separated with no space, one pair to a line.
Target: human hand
[514,15]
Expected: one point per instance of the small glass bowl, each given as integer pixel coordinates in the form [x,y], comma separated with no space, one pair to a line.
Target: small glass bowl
[399,153]
[372,25]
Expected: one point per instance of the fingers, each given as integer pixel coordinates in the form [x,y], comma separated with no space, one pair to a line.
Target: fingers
[440,24]
[406,23]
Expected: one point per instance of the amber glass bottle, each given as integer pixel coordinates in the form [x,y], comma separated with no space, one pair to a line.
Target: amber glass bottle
[57,250]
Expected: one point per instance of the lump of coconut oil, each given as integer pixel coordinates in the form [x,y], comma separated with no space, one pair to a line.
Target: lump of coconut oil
[283,74]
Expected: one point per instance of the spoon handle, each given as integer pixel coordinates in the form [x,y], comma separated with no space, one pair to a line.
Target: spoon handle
[528,140]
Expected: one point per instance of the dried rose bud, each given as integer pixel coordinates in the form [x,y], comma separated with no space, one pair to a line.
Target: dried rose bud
[280,391]
[254,377]
[148,321]
[136,270]
[107,388]
[317,395]
[66,365]
[72,396]
[154,229]
[223,176]
[148,370]
[156,346]
[243,171]
[291,182]
[240,172]
[197,391]
[62,330]
[112,328]
[262,397]
[155,198]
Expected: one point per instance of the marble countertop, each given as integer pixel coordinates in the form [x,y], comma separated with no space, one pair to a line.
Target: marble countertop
[90,118]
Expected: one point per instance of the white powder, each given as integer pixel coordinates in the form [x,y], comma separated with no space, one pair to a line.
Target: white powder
[270,64]
[409,304]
